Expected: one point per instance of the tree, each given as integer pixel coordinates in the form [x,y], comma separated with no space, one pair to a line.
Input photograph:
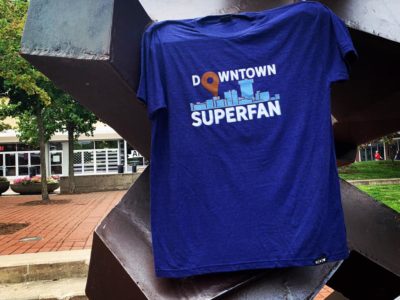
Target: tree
[3,102]
[26,94]
[36,125]
[75,120]
[14,70]
[392,150]
[26,88]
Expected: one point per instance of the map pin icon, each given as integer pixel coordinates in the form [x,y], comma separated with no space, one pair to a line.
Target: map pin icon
[210,82]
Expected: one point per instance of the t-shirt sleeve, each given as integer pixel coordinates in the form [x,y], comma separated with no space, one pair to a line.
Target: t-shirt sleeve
[341,48]
[150,90]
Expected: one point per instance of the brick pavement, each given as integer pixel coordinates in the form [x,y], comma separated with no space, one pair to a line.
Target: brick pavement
[324,293]
[60,226]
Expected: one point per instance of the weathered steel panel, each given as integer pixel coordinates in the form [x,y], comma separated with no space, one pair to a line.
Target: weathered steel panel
[380,18]
[126,232]
[91,49]
[373,229]
[75,30]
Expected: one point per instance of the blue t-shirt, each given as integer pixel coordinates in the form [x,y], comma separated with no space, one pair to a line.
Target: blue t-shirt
[243,166]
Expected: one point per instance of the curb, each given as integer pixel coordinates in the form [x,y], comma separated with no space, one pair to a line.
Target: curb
[63,289]
[20,268]
[374,181]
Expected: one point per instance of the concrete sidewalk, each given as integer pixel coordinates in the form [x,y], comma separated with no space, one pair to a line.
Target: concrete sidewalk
[44,275]
[59,227]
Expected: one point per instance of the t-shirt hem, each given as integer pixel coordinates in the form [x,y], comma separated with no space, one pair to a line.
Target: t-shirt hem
[179,273]
[339,77]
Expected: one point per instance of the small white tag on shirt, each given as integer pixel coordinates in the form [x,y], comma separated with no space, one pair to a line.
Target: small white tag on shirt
[320,260]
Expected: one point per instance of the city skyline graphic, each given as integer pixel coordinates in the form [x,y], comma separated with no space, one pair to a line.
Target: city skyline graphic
[232,98]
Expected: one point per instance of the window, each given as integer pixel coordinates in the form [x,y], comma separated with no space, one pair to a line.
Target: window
[56,162]
[55,146]
[10,159]
[24,147]
[23,163]
[56,170]
[10,164]
[107,144]
[23,159]
[8,147]
[80,145]
[35,158]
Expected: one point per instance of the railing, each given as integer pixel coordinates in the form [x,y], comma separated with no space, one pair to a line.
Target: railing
[96,161]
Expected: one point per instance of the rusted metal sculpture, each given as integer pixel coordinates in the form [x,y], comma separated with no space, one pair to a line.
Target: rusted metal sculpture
[91,49]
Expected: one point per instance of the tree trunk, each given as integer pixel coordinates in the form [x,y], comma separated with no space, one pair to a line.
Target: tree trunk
[71,175]
[42,145]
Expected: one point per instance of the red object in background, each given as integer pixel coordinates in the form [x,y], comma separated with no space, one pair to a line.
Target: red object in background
[377,156]
[1,148]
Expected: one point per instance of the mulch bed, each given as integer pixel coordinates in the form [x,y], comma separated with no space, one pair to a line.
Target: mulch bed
[40,202]
[10,228]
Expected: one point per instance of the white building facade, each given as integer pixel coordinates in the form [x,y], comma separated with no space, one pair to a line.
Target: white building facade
[103,153]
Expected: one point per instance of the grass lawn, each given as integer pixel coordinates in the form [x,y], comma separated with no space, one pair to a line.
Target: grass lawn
[370,170]
[388,194]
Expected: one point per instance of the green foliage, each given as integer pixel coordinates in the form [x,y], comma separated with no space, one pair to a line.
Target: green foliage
[17,73]
[25,93]
[26,109]
[22,88]
[3,103]
[72,116]
[370,170]
[28,126]
[387,194]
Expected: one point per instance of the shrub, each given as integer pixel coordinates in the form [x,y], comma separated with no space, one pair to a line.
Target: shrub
[3,179]
[22,180]
[35,179]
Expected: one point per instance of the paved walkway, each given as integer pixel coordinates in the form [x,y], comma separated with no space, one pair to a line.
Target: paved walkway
[59,226]
[324,293]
